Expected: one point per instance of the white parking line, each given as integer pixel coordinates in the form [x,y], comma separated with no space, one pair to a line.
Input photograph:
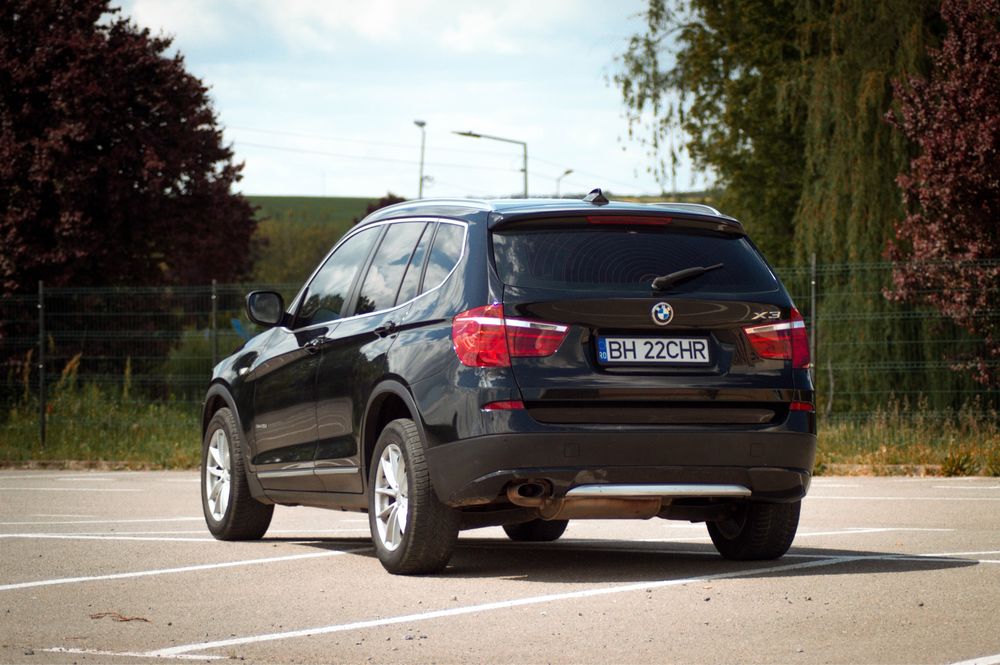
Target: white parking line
[803,534]
[136,521]
[966,487]
[178,532]
[139,536]
[185,649]
[85,536]
[69,489]
[125,654]
[168,571]
[982,660]
[814,497]
[62,515]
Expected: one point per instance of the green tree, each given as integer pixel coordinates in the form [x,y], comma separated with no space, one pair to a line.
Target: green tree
[723,78]
[785,102]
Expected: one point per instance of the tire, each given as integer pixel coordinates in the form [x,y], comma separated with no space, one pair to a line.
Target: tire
[413,532]
[536,531]
[759,531]
[231,513]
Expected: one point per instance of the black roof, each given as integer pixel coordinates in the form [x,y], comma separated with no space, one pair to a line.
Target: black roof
[506,209]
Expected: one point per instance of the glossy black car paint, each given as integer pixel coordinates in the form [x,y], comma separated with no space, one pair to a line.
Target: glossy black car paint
[311,402]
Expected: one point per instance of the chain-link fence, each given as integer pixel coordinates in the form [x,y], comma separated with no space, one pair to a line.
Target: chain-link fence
[124,370]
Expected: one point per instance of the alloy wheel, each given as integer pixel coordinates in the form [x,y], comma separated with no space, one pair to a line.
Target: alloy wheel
[391,501]
[217,475]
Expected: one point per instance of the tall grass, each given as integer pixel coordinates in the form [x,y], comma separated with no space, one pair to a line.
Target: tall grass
[905,434]
[93,423]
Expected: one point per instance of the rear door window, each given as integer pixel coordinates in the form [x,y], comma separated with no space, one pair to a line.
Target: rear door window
[411,280]
[378,291]
[627,259]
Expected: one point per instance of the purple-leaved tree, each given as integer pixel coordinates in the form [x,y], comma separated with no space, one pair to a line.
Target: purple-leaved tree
[948,245]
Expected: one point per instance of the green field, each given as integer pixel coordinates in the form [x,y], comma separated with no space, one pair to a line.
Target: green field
[295,232]
[310,210]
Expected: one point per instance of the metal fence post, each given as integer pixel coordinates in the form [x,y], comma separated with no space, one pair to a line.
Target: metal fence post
[215,326]
[812,315]
[41,363]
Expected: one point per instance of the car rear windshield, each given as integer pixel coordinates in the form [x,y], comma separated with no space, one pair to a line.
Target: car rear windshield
[627,258]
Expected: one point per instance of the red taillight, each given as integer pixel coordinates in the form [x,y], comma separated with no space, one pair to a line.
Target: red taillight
[785,340]
[482,337]
[802,406]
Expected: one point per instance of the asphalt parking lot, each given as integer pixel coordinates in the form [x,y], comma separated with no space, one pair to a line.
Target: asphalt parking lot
[118,567]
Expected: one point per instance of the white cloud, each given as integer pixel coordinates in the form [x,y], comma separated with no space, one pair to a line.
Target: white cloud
[192,20]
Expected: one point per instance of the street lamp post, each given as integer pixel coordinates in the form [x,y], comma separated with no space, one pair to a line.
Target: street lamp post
[523,145]
[423,136]
[559,180]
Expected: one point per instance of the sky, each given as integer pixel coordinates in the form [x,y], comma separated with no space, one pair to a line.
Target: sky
[319,97]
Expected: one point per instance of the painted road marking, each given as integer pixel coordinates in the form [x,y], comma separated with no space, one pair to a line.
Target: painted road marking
[127,536]
[128,654]
[62,515]
[69,489]
[802,534]
[137,521]
[982,660]
[168,571]
[813,497]
[187,649]
[91,536]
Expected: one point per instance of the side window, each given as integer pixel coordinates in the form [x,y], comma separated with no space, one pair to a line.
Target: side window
[411,281]
[332,284]
[378,291]
[445,254]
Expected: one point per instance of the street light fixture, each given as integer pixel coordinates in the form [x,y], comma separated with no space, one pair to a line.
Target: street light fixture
[523,145]
[559,179]
[423,137]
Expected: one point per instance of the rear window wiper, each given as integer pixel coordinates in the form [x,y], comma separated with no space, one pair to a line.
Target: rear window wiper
[668,280]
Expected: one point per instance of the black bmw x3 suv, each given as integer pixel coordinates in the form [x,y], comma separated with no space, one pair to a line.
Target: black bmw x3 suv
[454,364]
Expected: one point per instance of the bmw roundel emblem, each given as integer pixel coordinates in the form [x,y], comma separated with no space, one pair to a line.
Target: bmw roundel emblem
[662,313]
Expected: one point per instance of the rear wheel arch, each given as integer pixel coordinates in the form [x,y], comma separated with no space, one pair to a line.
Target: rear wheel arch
[389,401]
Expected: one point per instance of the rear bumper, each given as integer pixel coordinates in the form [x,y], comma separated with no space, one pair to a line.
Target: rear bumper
[775,466]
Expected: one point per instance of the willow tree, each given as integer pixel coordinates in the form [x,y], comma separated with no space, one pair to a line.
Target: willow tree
[785,102]
[720,77]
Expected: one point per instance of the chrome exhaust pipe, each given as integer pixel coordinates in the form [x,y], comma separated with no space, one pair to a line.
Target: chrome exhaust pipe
[538,494]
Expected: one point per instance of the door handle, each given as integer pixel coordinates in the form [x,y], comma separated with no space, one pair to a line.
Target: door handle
[312,346]
[386,328]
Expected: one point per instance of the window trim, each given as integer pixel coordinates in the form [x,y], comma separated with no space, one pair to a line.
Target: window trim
[294,306]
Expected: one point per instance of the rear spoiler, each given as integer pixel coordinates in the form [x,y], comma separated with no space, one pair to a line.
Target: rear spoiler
[651,217]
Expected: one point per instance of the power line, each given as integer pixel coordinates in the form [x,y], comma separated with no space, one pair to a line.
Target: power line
[387,144]
[389,160]
[601,180]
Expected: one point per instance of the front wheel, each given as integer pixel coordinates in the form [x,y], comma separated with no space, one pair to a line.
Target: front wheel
[413,532]
[758,531]
[231,513]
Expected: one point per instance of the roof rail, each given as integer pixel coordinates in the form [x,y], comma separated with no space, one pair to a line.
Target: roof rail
[688,207]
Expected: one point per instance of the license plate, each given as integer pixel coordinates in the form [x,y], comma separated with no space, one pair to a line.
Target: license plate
[653,350]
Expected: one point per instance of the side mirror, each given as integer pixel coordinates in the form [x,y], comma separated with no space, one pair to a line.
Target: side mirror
[265,308]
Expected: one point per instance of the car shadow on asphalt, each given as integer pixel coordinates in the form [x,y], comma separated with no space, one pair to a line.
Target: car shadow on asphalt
[602,561]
